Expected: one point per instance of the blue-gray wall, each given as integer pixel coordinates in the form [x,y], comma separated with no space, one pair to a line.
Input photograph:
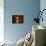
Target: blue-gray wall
[43,6]
[28,8]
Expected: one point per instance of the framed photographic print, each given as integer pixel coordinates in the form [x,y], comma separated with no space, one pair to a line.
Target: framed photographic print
[17,19]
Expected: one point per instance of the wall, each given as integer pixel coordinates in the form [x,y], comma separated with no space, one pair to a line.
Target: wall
[43,6]
[28,8]
[1,20]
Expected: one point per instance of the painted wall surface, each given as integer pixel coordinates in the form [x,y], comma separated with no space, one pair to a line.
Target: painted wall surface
[43,6]
[28,8]
[1,20]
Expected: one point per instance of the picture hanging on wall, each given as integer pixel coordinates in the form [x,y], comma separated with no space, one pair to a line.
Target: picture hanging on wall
[17,19]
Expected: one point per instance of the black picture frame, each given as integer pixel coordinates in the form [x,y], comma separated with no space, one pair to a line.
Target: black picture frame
[17,19]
